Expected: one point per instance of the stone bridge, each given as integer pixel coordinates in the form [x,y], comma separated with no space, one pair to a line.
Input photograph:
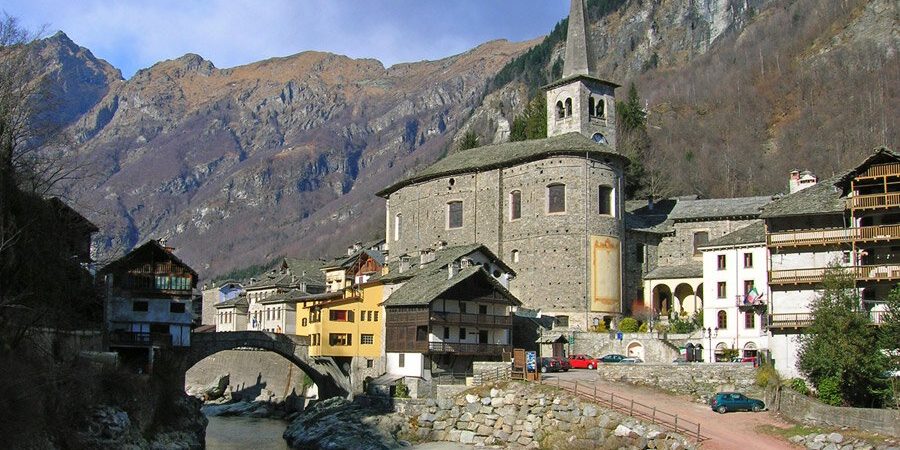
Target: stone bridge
[323,370]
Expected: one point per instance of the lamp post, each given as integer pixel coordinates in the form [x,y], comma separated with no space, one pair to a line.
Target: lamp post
[710,334]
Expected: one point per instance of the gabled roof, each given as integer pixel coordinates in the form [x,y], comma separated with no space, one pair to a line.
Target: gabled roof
[152,247]
[506,155]
[719,208]
[693,269]
[880,155]
[305,270]
[442,258]
[232,303]
[426,287]
[821,198]
[71,215]
[755,233]
[348,261]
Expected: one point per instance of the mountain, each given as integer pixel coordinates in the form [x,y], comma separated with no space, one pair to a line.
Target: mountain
[240,166]
[281,157]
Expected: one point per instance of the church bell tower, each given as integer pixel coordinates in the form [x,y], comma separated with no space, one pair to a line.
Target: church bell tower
[580,101]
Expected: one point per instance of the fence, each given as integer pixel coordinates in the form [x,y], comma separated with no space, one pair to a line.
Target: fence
[633,408]
[492,375]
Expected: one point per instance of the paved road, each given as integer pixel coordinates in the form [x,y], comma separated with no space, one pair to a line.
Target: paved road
[734,430]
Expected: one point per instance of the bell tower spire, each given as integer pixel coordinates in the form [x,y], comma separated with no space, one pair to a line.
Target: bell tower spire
[581,102]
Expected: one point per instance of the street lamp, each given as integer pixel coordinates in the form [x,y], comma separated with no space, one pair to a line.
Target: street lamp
[710,334]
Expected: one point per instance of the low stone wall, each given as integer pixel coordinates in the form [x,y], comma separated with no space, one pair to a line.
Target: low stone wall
[801,408]
[697,379]
[647,346]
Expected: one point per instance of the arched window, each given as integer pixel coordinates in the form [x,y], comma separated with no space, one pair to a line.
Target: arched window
[591,103]
[397,227]
[556,198]
[568,107]
[515,256]
[599,138]
[515,205]
[605,194]
[722,320]
[601,108]
[560,110]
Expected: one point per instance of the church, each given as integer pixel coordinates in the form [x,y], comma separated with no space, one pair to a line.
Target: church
[552,209]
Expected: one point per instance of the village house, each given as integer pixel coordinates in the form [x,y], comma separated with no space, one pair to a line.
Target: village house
[851,222]
[271,297]
[214,295]
[736,294]
[544,206]
[148,302]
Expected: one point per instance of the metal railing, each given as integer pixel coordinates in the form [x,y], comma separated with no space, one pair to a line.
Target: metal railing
[801,320]
[632,408]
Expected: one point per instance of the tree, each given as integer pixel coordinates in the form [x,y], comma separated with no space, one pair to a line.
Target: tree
[532,123]
[839,352]
[634,142]
[469,140]
[890,339]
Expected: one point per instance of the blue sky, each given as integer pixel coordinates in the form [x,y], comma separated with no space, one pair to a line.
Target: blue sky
[135,34]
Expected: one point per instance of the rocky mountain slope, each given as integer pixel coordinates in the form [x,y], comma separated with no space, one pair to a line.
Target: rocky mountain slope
[240,166]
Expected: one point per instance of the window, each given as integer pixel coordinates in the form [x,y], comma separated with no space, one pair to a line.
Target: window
[422,333]
[303,322]
[748,286]
[601,108]
[515,256]
[339,315]
[515,205]
[462,334]
[722,320]
[454,214]
[176,308]
[376,316]
[568,107]
[397,227]
[370,363]
[749,320]
[367,339]
[591,108]
[720,262]
[482,309]
[606,200]
[748,260]
[401,362]
[556,198]
[462,307]
[340,339]
[701,238]
[560,110]
[140,306]
[562,321]
[639,253]
[446,332]
[720,289]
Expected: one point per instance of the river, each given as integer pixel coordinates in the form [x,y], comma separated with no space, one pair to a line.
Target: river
[238,433]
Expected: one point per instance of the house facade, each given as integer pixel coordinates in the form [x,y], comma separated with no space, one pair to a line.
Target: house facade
[850,222]
[550,205]
[214,295]
[272,296]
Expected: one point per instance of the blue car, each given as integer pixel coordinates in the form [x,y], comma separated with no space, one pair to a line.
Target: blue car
[735,401]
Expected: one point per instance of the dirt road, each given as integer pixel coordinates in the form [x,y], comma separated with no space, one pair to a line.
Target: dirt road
[734,430]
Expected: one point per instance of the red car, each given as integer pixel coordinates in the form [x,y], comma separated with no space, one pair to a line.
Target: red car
[582,361]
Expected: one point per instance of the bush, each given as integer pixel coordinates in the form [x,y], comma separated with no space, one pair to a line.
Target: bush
[766,376]
[401,390]
[600,327]
[628,325]
[829,390]
[645,327]
[799,385]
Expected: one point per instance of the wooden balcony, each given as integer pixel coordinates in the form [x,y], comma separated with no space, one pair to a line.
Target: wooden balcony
[790,320]
[835,236]
[120,338]
[884,272]
[468,349]
[486,320]
[874,201]
[880,171]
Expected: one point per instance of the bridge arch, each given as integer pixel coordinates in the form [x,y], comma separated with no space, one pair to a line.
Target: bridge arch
[330,381]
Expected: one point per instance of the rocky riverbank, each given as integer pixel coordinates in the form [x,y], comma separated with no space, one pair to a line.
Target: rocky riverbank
[512,415]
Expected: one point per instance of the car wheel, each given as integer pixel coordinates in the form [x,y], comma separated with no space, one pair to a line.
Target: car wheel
[565,370]
[590,367]
[543,370]
[722,409]
[756,408]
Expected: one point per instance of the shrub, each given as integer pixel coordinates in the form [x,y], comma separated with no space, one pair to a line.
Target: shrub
[628,325]
[600,327]
[799,385]
[829,390]
[401,390]
[766,375]
[645,327]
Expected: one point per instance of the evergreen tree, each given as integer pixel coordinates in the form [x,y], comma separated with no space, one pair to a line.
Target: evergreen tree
[839,352]
[532,123]
[634,142]
[469,140]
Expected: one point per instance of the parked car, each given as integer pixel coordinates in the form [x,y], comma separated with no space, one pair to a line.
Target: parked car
[550,364]
[612,358]
[723,402]
[745,359]
[631,360]
[583,362]
[564,364]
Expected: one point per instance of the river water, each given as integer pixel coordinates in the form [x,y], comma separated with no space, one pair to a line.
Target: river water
[238,433]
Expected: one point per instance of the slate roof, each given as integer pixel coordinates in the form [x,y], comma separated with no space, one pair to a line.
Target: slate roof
[507,154]
[425,287]
[150,246]
[693,269]
[442,258]
[348,261]
[755,233]
[821,198]
[291,297]
[237,301]
[880,155]
[713,208]
[307,271]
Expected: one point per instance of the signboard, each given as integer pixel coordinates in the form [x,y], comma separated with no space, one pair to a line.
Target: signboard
[531,361]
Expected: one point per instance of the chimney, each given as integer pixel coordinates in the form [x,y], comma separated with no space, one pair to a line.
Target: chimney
[404,263]
[440,245]
[801,180]
[426,256]
[453,269]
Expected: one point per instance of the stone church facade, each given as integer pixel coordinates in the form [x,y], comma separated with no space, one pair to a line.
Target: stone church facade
[551,208]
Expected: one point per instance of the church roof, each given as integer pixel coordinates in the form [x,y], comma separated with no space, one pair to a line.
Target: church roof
[506,155]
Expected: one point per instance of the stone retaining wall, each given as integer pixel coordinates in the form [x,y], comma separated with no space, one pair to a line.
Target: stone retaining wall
[250,372]
[647,346]
[698,379]
[801,408]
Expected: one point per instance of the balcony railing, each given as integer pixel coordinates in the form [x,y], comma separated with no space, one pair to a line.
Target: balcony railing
[135,339]
[874,201]
[801,320]
[834,236]
[470,319]
[880,170]
[468,349]
[885,272]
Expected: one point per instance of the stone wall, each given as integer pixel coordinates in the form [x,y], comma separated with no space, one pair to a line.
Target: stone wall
[250,372]
[801,408]
[697,379]
[647,346]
